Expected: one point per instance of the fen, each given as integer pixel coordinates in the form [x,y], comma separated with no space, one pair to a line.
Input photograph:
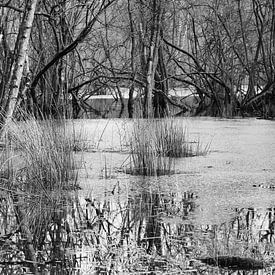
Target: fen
[182,181]
[71,203]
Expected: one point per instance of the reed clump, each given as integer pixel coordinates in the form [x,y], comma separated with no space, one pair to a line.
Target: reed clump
[38,176]
[155,144]
[174,141]
[78,138]
[45,151]
[147,158]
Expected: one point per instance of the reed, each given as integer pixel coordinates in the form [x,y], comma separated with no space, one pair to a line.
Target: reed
[174,140]
[147,156]
[39,182]
[155,143]
[78,137]
[44,148]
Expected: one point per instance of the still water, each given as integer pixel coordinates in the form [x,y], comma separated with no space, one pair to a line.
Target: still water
[212,216]
[210,207]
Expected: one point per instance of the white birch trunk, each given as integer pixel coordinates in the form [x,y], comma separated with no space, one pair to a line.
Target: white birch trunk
[21,52]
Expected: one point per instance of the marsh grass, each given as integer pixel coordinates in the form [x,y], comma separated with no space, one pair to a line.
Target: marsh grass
[174,141]
[79,141]
[155,143]
[147,156]
[38,176]
[44,148]
[107,172]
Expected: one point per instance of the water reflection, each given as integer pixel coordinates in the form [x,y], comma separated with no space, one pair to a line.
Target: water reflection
[141,230]
[156,232]
[147,232]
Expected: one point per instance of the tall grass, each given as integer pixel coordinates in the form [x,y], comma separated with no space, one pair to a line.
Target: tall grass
[174,141]
[78,137]
[147,158]
[45,150]
[38,182]
[155,143]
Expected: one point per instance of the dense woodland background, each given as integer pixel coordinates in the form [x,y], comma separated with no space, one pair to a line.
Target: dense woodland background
[57,57]
[56,54]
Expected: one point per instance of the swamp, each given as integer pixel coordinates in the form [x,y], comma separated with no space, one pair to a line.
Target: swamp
[107,220]
[137,137]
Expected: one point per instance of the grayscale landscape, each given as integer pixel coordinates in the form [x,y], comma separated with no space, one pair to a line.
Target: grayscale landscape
[137,137]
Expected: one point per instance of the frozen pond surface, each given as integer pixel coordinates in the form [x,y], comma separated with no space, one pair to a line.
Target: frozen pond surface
[211,210]
[208,208]
[242,154]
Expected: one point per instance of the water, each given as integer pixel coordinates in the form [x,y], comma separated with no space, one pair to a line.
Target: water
[209,207]
[242,155]
[124,224]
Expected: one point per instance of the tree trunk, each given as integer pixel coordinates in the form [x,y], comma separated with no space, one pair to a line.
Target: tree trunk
[152,59]
[148,112]
[133,67]
[161,87]
[21,52]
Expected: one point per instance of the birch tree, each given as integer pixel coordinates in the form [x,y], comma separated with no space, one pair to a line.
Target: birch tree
[21,54]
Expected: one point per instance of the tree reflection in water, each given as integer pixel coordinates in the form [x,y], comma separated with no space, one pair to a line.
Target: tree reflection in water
[152,232]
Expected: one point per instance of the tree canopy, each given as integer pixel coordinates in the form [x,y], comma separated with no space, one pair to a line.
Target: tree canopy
[56,54]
